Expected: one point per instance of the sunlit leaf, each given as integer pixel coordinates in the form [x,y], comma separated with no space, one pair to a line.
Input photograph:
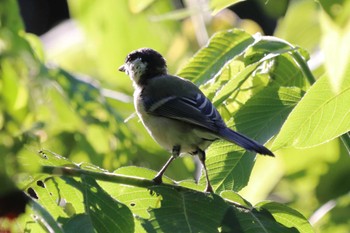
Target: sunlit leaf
[235,198]
[336,50]
[58,199]
[321,116]
[222,47]
[44,219]
[303,13]
[261,117]
[139,200]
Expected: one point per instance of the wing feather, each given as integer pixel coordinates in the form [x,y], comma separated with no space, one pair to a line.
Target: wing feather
[197,110]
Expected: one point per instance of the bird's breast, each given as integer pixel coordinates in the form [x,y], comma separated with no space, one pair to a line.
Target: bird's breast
[169,132]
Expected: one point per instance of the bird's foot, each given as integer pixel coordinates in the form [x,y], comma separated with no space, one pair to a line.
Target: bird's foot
[157,179]
[209,189]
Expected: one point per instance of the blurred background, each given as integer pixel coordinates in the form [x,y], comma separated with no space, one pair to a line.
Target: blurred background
[79,106]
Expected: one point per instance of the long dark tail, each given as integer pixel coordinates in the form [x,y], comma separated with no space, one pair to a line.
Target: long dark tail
[243,141]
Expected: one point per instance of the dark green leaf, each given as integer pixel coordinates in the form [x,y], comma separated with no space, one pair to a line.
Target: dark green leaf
[286,216]
[105,213]
[179,212]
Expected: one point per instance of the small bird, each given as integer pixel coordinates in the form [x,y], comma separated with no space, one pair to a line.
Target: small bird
[176,113]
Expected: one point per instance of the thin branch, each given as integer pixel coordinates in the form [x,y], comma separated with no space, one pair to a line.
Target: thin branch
[106,176]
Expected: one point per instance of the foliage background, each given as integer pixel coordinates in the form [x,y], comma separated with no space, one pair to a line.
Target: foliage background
[70,108]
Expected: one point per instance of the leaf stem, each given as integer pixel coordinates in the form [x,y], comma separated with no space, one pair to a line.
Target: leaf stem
[304,67]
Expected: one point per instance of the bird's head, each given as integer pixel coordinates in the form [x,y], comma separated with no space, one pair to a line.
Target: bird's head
[143,64]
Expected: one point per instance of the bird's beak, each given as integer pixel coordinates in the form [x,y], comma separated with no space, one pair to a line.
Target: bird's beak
[122,68]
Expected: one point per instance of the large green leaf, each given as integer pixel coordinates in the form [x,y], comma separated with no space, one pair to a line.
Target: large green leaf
[222,47]
[266,217]
[321,116]
[261,117]
[138,199]
[44,219]
[286,216]
[160,208]
[53,201]
[104,212]
[179,212]
[263,114]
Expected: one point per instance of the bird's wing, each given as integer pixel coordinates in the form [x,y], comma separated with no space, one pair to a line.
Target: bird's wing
[196,109]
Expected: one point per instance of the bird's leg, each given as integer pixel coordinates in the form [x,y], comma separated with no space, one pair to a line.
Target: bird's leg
[175,153]
[201,156]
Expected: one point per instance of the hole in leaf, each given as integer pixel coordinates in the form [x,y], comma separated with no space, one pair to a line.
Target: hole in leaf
[40,183]
[32,193]
[132,204]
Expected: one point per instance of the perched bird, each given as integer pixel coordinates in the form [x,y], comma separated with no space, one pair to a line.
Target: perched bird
[176,113]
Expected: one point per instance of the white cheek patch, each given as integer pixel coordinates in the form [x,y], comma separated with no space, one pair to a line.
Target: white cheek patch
[135,69]
[139,66]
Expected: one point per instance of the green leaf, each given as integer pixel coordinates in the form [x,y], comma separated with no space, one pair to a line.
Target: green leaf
[337,10]
[235,198]
[218,5]
[261,117]
[346,141]
[268,219]
[139,200]
[79,223]
[336,49]
[222,47]
[286,216]
[234,84]
[263,114]
[320,116]
[55,198]
[166,208]
[305,13]
[105,213]
[178,211]
[46,221]
[10,16]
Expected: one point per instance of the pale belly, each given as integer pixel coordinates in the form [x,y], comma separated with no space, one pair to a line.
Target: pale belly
[169,133]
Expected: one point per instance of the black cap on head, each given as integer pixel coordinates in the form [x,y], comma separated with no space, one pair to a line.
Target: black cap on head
[148,55]
[156,64]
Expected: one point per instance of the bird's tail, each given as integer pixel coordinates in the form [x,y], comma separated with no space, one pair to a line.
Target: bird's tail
[243,141]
